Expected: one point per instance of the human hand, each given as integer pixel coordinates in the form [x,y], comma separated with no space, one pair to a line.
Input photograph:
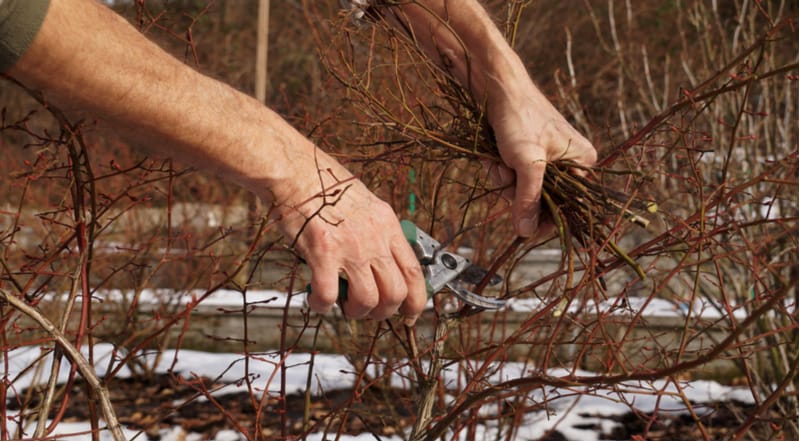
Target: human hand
[530,132]
[352,231]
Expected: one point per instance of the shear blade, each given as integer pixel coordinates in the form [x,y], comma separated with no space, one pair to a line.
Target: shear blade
[475,300]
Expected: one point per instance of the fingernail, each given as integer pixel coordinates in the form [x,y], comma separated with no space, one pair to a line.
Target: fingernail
[527,227]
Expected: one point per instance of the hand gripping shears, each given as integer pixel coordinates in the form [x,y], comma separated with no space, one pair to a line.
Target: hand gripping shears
[446,269]
[441,269]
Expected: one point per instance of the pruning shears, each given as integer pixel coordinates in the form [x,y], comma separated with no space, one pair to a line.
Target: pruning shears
[442,269]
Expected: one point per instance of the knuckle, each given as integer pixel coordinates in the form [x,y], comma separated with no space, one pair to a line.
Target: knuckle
[319,303]
[361,298]
[523,202]
[321,296]
[322,244]
[368,302]
[414,305]
[395,296]
[326,298]
[412,272]
[393,284]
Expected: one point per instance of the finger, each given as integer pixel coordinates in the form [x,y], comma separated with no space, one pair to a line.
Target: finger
[362,295]
[508,193]
[506,175]
[417,292]
[527,198]
[500,175]
[324,288]
[391,287]
[581,151]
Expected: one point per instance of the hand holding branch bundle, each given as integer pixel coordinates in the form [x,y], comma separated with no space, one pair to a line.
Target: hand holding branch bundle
[528,130]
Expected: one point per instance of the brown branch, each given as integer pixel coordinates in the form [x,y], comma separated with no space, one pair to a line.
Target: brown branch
[86,370]
[584,381]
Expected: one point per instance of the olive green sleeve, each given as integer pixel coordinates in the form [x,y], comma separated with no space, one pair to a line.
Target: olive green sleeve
[20,21]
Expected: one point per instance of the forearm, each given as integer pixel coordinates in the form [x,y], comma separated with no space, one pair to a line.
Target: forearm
[108,68]
[86,58]
[461,36]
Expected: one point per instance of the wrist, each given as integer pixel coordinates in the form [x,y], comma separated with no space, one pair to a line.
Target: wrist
[299,176]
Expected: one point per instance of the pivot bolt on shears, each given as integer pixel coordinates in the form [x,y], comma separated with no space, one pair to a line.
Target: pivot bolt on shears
[442,269]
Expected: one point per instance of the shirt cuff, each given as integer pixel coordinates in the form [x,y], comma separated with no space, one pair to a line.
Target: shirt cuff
[20,21]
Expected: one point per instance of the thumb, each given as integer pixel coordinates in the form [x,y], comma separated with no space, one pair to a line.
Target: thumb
[527,199]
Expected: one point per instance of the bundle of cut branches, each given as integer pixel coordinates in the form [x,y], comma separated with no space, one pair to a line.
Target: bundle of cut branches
[428,107]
